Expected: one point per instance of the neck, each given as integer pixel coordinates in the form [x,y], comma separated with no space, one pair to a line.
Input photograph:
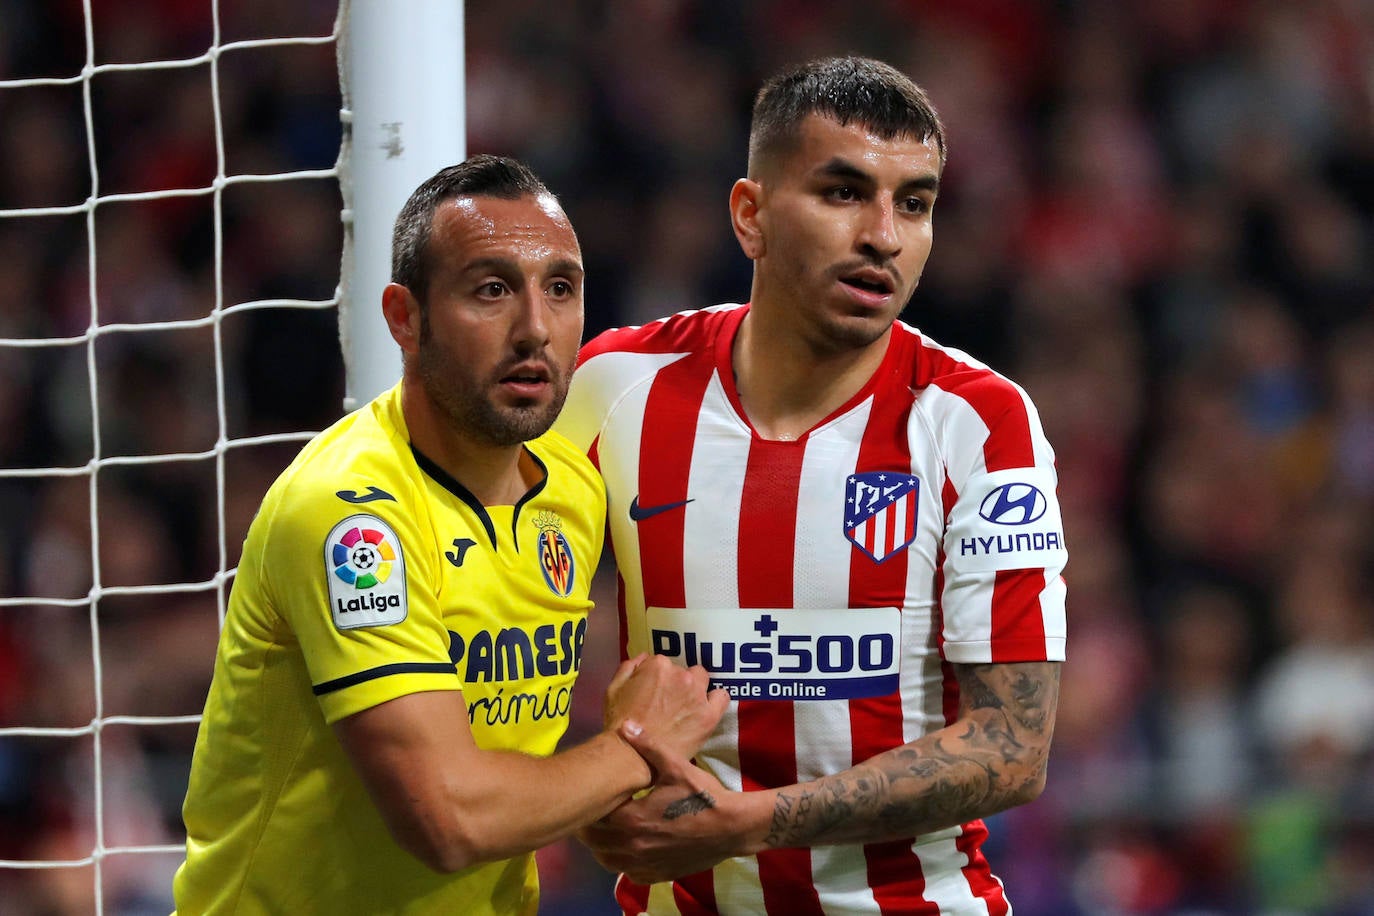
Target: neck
[787,384]
[498,475]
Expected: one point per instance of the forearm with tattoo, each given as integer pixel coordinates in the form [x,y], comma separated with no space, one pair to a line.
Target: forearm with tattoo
[991,758]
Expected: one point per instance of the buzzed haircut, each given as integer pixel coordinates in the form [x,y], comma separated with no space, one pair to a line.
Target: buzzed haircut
[849,90]
[482,175]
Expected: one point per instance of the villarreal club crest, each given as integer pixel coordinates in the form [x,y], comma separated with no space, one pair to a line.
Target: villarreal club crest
[555,554]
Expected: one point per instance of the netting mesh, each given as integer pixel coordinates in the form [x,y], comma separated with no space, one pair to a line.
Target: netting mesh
[169,265]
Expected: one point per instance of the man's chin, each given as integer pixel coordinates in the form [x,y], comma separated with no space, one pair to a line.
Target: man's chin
[519,423]
[856,332]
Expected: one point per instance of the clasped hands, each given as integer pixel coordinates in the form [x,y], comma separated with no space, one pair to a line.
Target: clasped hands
[682,824]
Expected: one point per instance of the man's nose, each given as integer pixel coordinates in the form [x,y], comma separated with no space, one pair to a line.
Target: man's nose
[878,230]
[531,330]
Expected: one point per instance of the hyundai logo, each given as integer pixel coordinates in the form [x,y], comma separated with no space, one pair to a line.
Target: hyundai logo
[1013,504]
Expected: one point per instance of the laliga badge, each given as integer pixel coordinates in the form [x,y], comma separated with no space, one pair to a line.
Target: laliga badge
[366,573]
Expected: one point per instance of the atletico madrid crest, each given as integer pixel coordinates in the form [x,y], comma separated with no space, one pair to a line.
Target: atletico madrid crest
[880,512]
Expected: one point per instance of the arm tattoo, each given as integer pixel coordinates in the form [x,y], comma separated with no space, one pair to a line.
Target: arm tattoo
[695,803]
[991,758]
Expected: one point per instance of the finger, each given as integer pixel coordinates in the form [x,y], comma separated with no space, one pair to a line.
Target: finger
[623,673]
[717,700]
[667,766]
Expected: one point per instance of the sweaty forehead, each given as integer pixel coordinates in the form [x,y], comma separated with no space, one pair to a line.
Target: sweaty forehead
[531,229]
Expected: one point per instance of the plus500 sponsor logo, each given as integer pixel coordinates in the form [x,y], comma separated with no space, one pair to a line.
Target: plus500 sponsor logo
[794,654]
[790,653]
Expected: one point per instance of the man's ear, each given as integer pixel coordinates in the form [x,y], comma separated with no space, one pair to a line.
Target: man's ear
[401,310]
[745,200]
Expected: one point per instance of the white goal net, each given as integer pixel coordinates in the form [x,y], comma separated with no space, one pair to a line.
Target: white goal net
[170,242]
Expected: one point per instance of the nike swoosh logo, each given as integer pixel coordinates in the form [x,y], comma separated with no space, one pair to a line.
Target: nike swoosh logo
[640,513]
[372,495]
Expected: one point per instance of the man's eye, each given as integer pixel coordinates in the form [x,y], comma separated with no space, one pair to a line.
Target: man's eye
[491,289]
[561,288]
[915,205]
[843,193]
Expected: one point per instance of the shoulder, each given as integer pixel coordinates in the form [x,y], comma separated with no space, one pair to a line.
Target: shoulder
[963,381]
[620,361]
[360,464]
[971,408]
[683,332]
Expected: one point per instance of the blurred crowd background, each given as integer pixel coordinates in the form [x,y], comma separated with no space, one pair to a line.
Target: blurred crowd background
[1157,216]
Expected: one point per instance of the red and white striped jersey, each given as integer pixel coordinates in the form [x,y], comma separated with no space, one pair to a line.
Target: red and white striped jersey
[827,582]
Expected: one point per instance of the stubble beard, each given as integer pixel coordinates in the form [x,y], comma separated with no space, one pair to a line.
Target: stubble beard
[462,399]
[833,335]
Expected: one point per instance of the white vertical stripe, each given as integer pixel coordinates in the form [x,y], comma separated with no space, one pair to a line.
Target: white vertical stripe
[620,468]
[661,902]
[720,456]
[963,433]
[737,886]
[1052,614]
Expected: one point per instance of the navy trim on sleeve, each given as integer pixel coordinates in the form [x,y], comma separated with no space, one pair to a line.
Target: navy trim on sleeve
[339,683]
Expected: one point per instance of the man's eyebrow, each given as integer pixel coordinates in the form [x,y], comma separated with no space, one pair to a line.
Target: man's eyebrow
[492,264]
[843,168]
[924,183]
[566,266]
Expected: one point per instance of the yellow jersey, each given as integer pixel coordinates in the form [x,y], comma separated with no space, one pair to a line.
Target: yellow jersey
[368,574]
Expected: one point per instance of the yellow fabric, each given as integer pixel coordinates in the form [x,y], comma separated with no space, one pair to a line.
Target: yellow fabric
[277,819]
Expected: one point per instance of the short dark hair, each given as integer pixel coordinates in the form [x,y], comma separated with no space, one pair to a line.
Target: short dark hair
[482,175]
[847,89]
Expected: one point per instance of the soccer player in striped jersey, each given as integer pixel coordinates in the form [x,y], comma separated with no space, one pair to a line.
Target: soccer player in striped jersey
[406,625]
[854,529]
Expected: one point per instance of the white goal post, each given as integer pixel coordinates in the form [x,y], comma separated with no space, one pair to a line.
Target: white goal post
[401,82]
[401,69]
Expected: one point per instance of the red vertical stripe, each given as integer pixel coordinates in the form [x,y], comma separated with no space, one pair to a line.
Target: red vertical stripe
[1018,626]
[633,898]
[979,876]
[1010,445]
[767,734]
[695,895]
[665,460]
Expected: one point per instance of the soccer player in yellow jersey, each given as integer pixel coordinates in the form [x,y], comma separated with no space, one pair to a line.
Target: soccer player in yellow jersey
[407,622]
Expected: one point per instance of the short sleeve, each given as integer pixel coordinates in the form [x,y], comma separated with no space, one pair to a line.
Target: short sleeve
[356,589]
